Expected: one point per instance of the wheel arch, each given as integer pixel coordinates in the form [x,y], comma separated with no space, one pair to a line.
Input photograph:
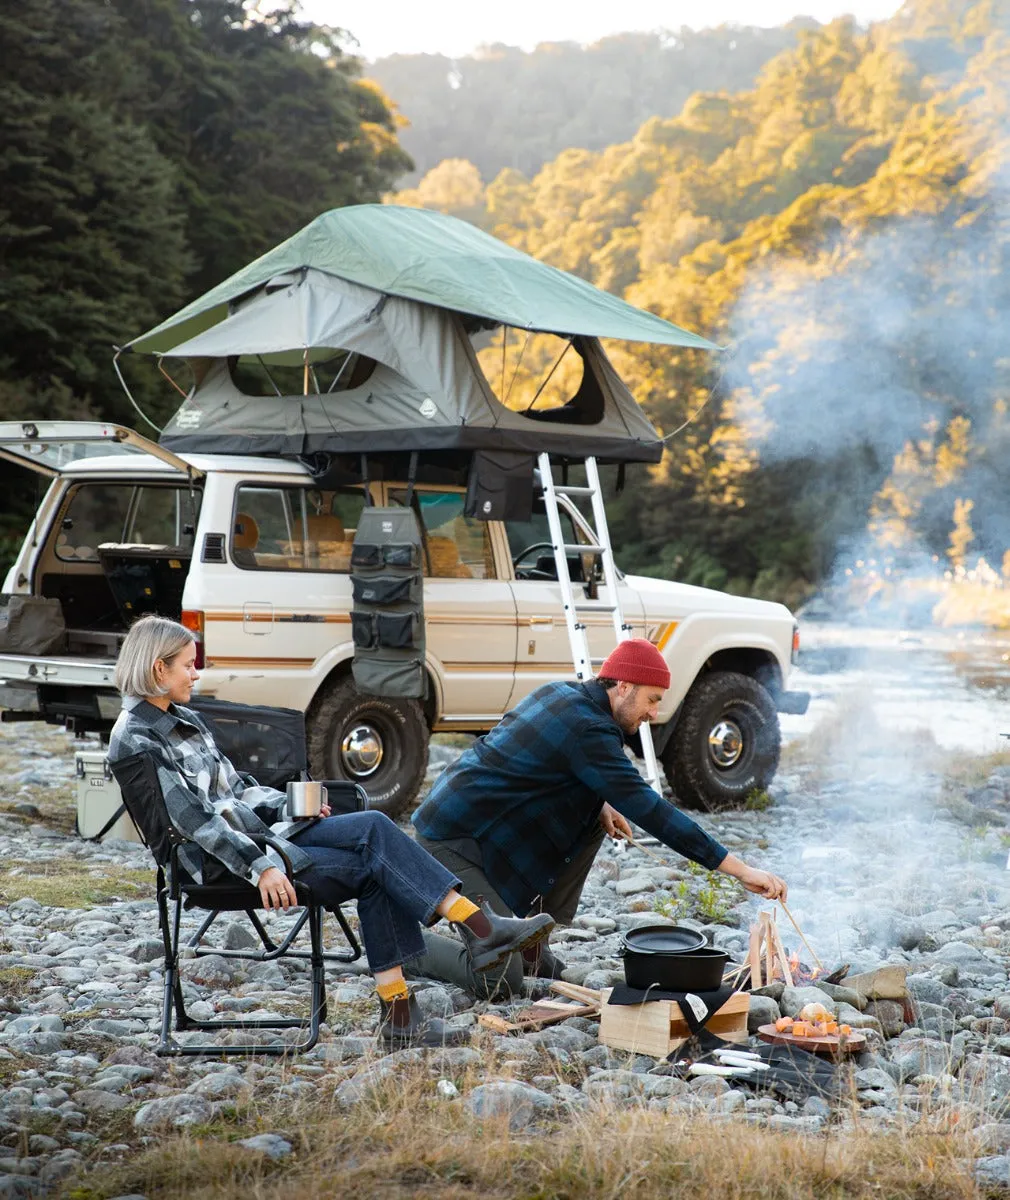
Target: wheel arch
[431,704]
[761,665]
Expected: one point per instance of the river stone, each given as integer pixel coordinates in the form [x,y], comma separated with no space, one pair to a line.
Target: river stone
[793,999]
[968,959]
[100,1100]
[240,937]
[889,1013]
[211,970]
[847,1015]
[882,983]
[1001,1006]
[927,988]
[994,1137]
[993,1171]
[614,1085]
[270,1144]
[147,950]
[173,1112]
[843,995]
[874,1077]
[219,1085]
[521,1103]
[920,1056]
[988,1079]
[763,1011]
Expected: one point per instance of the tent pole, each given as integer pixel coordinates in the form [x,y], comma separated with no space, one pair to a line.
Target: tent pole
[305,372]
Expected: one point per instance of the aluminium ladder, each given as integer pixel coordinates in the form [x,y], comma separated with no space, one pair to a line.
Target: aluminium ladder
[597,535]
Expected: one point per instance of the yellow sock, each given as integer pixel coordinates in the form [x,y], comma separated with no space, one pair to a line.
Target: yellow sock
[461,910]
[396,990]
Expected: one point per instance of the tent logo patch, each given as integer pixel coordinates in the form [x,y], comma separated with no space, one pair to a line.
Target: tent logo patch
[428,408]
[188,418]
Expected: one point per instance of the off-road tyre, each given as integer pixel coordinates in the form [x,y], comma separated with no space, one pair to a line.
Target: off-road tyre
[697,779]
[404,733]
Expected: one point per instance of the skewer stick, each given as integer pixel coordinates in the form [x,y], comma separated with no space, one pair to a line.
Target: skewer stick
[820,965]
[645,850]
[769,954]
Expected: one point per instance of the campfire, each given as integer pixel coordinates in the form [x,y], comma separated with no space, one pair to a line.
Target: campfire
[768,961]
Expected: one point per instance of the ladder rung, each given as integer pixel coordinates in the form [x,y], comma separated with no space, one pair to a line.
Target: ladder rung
[582,548]
[566,489]
[608,608]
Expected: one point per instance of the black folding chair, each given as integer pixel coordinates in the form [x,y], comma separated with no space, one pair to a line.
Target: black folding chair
[137,777]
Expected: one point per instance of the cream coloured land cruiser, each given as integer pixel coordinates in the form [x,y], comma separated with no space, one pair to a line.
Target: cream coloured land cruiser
[254,557]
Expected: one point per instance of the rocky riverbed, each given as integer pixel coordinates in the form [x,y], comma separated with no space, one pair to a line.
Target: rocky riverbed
[893,857]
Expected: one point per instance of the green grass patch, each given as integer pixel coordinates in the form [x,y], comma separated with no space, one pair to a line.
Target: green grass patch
[66,883]
[16,982]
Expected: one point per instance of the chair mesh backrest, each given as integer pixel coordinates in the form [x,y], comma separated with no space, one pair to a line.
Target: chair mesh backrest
[137,777]
[267,743]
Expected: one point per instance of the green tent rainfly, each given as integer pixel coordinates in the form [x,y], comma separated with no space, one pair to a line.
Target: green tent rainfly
[402,293]
[435,259]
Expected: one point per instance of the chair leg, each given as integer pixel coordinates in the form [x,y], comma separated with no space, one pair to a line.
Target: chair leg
[313,915]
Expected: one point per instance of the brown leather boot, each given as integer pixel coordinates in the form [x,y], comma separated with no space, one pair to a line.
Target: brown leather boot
[404,1025]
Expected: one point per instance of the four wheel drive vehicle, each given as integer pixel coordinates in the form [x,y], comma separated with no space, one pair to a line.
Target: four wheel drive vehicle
[253,555]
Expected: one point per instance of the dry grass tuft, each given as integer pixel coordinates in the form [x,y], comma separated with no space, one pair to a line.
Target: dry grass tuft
[405,1142]
[66,883]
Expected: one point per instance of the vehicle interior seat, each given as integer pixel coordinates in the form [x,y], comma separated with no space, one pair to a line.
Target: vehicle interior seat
[443,554]
[329,545]
[245,538]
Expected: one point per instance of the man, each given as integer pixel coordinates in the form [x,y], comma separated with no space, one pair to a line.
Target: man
[520,816]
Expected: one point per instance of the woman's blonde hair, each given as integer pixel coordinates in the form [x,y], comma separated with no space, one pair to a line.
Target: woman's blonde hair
[149,639]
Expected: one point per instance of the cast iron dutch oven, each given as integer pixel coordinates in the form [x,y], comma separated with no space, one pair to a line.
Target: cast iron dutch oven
[672,958]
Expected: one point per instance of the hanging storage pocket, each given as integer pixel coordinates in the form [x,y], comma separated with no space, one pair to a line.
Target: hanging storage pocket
[382,589]
[363,629]
[365,554]
[397,631]
[401,554]
[387,621]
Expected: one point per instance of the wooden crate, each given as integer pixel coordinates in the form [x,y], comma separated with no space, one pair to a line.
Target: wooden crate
[658,1027]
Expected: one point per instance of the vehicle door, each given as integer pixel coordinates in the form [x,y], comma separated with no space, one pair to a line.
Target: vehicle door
[543,649]
[291,542]
[469,611]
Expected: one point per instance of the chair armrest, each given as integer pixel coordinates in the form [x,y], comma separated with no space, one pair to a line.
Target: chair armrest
[273,843]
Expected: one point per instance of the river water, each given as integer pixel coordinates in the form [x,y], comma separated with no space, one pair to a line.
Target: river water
[952,684]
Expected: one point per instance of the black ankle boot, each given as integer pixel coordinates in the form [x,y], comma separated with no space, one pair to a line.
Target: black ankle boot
[419,1029]
[542,963]
[508,935]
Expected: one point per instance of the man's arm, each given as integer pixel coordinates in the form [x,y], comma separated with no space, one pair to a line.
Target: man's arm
[600,762]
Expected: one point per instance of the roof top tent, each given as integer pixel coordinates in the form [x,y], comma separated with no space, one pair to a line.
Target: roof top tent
[395,296]
[390,299]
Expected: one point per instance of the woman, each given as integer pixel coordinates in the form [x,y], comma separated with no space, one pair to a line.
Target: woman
[364,856]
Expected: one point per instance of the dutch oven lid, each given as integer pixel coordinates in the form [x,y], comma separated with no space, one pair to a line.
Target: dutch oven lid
[664,939]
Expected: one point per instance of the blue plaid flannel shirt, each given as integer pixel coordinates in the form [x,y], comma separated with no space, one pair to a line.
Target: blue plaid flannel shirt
[530,792]
[207,800]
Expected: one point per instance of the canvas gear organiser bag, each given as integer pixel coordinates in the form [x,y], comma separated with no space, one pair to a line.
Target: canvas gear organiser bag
[31,625]
[387,622]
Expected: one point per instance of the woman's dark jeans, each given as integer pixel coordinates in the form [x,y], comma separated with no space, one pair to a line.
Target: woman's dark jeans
[398,886]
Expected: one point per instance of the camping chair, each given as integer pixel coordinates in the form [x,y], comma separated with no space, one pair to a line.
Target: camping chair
[138,779]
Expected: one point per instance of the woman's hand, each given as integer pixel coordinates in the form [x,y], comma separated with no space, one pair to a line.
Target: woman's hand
[324,810]
[764,883]
[276,890]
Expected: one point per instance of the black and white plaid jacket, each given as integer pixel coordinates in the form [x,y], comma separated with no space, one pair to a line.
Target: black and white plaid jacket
[207,800]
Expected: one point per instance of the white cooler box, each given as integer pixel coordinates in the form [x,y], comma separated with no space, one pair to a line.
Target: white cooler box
[100,810]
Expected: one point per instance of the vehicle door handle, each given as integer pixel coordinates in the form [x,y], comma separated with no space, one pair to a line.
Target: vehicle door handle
[549,621]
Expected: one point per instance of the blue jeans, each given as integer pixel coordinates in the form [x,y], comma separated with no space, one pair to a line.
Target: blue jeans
[398,886]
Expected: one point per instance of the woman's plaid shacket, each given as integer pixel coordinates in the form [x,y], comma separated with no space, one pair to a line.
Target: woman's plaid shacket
[200,787]
[531,790]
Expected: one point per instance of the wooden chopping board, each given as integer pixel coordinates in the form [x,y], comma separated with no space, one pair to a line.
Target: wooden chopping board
[829,1043]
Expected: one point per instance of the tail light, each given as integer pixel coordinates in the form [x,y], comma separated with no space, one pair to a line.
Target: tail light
[796,643]
[193,621]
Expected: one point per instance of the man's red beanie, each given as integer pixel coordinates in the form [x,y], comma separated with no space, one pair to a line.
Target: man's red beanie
[636,661]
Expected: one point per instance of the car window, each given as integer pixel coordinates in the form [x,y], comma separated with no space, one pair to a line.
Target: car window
[531,547]
[110,512]
[456,547]
[295,528]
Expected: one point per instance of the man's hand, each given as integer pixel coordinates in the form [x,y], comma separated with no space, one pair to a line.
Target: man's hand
[614,825]
[764,883]
[324,810]
[276,890]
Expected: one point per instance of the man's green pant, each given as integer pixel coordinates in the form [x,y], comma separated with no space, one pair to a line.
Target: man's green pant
[446,958]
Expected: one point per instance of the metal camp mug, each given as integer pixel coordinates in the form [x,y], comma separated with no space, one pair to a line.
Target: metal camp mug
[305,799]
